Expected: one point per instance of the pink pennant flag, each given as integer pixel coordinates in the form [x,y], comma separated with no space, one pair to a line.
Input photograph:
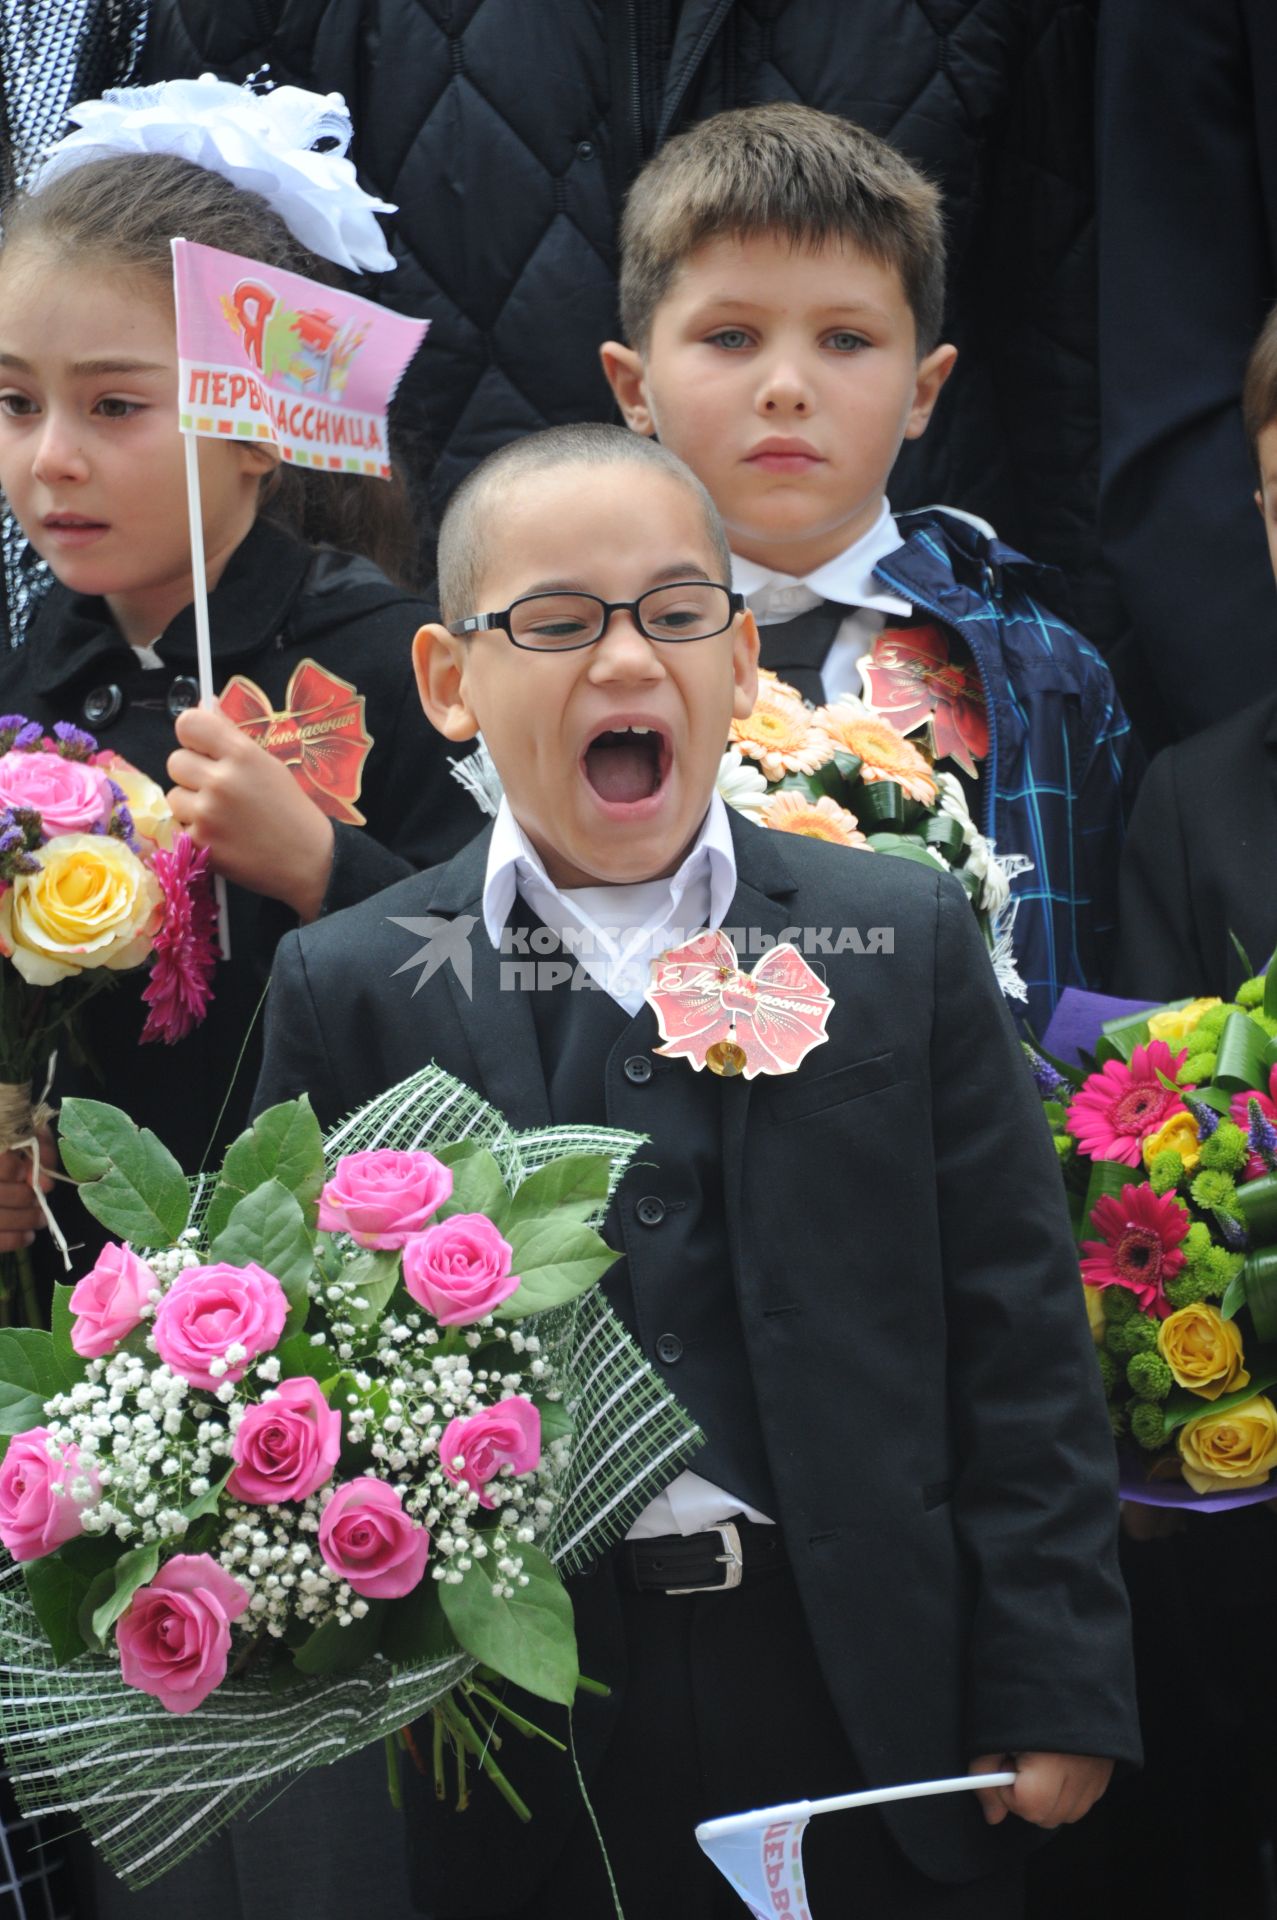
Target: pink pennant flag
[269,355]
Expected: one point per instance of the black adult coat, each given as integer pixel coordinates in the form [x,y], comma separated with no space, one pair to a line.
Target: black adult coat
[278,603]
[1198,862]
[906,1279]
[508,131]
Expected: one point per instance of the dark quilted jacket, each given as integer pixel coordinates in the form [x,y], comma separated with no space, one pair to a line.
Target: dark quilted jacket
[508,130]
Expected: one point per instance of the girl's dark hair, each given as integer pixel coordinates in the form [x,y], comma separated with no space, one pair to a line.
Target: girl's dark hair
[124,211]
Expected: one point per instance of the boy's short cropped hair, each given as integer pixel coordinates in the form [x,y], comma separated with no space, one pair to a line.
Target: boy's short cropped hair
[464,533]
[1259,390]
[789,169]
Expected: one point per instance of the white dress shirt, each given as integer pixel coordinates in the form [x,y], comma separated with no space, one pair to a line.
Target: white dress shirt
[615,933]
[848,579]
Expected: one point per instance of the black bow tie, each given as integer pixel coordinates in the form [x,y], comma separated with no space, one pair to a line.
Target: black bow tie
[797,649]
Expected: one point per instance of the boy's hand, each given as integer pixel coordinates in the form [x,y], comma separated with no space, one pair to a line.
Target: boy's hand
[1050,1790]
[245,806]
[20,1214]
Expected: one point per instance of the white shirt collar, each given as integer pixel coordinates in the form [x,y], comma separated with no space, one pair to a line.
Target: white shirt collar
[848,578]
[615,931]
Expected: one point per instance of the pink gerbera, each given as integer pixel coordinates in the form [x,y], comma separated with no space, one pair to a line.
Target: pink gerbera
[1239,1109]
[1115,1109]
[180,986]
[1141,1246]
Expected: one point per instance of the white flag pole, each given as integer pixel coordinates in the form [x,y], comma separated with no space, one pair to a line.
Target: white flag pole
[203,644]
[871,1797]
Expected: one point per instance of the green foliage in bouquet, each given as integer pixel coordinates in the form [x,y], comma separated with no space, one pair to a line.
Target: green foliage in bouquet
[1168,1149]
[336,1421]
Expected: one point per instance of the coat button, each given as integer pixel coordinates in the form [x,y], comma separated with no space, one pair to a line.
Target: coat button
[585,149]
[650,1210]
[182,695]
[638,1069]
[103,705]
[669,1349]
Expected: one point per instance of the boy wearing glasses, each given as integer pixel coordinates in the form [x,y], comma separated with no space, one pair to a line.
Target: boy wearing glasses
[782,296]
[895,1558]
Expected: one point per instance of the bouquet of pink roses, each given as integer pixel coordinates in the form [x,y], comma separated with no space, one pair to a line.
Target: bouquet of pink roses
[1169,1150]
[320,1435]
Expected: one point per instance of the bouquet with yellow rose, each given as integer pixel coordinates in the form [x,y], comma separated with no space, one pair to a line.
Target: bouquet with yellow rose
[94,881]
[1167,1137]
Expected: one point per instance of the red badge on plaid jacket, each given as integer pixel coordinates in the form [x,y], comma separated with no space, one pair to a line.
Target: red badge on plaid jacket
[319,734]
[912,681]
[712,1014]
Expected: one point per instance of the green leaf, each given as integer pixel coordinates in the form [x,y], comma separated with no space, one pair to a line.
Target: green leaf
[267,1226]
[283,1144]
[1183,1406]
[1245,1055]
[206,1502]
[554,1265]
[29,1375]
[556,1421]
[377,1275]
[1234,1296]
[299,1360]
[109,1595]
[477,1187]
[416,1630]
[129,1179]
[1270,992]
[529,1639]
[69,1363]
[902,848]
[571,1189]
[58,1585]
[333,1648]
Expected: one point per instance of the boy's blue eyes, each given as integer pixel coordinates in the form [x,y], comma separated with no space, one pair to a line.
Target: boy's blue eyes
[732,339]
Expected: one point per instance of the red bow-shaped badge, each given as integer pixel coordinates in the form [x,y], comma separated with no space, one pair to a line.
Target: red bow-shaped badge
[712,1014]
[913,681]
[320,734]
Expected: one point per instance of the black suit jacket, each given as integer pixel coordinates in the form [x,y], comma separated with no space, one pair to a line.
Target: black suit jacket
[909,1292]
[1198,862]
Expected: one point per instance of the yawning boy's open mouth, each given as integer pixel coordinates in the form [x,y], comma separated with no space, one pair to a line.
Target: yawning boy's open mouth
[627,764]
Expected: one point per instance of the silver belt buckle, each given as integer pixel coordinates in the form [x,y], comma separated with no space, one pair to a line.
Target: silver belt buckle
[731,1560]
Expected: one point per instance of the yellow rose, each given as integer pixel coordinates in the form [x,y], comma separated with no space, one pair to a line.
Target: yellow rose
[1226,1452]
[1095,1312]
[1203,1351]
[1178,1022]
[1178,1133]
[92,904]
[146,803]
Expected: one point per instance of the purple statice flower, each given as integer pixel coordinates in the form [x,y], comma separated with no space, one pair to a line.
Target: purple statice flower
[1262,1135]
[11,725]
[15,857]
[1231,1232]
[30,737]
[1049,1083]
[1206,1117]
[122,826]
[73,742]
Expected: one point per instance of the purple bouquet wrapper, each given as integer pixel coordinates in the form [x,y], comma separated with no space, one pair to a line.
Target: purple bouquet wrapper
[1074,1027]
[1133,1484]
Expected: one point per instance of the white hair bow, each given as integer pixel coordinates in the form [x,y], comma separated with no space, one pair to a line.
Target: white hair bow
[259,141]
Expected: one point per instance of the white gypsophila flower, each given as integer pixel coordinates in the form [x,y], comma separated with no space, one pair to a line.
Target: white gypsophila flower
[741,784]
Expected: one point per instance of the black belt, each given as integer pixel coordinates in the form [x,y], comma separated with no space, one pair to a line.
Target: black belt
[713,1562]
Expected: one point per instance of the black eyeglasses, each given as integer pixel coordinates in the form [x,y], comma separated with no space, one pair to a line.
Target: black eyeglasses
[562,622]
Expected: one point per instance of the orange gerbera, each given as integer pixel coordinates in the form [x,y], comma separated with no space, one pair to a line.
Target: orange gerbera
[884,754]
[822,819]
[781,735]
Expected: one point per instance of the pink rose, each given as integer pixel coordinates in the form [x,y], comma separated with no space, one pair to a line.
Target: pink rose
[459,1269]
[38,1510]
[110,1300]
[368,1540]
[285,1448]
[69,796]
[381,1198]
[176,1634]
[474,1450]
[208,1309]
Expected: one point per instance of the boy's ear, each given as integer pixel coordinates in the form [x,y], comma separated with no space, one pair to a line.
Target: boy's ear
[744,665]
[438,660]
[627,378]
[933,370]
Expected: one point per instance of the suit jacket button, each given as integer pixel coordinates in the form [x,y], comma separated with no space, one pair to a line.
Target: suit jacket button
[669,1349]
[638,1069]
[650,1210]
[103,705]
[183,694]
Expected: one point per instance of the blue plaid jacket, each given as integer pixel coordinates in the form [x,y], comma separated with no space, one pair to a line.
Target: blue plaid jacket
[1062,766]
